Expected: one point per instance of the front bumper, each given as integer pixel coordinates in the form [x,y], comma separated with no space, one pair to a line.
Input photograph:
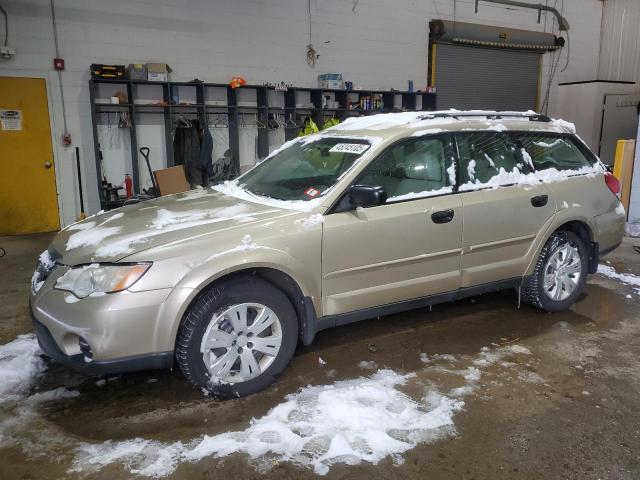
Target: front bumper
[152,361]
[124,331]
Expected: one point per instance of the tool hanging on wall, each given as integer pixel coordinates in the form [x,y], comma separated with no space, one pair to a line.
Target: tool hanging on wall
[82,215]
[144,151]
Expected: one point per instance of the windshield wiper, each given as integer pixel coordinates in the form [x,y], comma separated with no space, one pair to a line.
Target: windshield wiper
[262,194]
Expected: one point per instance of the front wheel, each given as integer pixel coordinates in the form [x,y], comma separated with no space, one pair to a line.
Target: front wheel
[560,273]
[237,338]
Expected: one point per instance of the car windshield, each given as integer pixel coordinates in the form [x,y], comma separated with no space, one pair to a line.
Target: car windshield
[304,170]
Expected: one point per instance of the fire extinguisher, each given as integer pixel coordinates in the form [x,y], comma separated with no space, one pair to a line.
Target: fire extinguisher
[128,185]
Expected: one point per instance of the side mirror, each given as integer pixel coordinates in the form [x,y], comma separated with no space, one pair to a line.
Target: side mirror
[366,196]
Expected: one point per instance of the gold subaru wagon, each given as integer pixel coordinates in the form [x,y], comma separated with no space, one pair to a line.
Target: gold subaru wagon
[376,215]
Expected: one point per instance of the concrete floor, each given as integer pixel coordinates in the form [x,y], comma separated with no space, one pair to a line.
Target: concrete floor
[569,410]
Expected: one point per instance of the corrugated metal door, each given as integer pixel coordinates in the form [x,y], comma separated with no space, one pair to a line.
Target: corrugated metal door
[485,78]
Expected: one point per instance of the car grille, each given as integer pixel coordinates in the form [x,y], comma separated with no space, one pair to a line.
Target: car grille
[43,270]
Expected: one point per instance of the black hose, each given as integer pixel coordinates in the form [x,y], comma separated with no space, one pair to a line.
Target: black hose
[6,26]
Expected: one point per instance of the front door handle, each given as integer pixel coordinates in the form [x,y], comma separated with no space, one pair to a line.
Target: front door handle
[539,201]
[443,216]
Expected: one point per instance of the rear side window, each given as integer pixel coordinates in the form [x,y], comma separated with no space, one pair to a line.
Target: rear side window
[551,151]
[415,168]
[488,158]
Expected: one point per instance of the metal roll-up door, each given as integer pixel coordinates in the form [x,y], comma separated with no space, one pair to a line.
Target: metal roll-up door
[485,78]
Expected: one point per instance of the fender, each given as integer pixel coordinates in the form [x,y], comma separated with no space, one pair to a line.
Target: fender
[560,218]
[239,260]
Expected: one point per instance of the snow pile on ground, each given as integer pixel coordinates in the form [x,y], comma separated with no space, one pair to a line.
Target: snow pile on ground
[626,278]
[20,366]
[368,364]
[632,229]
[350,421]
[141,457]
[347,422]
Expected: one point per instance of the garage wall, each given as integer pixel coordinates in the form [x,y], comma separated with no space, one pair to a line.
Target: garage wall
[620,41]
[382,45]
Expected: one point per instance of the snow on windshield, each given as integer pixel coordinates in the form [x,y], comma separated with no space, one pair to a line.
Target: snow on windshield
[240,188]
[234,189]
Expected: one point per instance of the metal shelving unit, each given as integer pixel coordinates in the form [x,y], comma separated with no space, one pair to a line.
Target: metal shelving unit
[290,109]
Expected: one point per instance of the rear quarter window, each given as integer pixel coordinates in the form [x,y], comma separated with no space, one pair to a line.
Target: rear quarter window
[552,151]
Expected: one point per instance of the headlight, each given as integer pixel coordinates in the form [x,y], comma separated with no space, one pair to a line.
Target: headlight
[96,278]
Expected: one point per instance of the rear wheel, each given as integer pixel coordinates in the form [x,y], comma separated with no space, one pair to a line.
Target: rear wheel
[559,275]
[237,338]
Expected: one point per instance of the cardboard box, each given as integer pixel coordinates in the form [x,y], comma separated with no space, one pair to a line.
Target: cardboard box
[137,71]
[331,81]
[158,72]
[171,180]
[331,84]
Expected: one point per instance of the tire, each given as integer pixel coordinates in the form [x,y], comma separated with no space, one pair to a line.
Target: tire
[208,323]
[556,295]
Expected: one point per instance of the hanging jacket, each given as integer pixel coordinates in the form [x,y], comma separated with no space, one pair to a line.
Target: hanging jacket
[309,127]
[186,145]
[206,151]
[330,122]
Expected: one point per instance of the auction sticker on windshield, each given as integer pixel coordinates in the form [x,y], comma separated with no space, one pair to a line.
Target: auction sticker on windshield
[311,192]
[356,148]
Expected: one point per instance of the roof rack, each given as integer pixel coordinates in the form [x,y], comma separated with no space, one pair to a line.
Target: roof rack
[533,117]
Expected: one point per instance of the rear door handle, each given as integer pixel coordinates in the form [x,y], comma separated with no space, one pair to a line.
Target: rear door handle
[443,216]
[539,201]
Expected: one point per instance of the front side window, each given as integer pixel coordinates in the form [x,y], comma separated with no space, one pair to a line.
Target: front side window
[551,151]
[304,170]
[415,168]
[488,159]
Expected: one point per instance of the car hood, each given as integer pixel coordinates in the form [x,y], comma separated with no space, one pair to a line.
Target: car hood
[114,235]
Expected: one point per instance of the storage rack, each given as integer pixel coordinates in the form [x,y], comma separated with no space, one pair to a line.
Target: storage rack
[285,104]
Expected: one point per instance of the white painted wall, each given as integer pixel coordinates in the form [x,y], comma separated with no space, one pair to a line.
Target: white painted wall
[620,41]
[382,45]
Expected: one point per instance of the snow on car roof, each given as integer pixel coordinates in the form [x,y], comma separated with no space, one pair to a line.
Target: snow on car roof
[434,121]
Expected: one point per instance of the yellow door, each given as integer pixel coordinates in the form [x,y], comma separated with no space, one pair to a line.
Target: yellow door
[28,197]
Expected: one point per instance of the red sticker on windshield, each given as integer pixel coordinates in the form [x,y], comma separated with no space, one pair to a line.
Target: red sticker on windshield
[311,192]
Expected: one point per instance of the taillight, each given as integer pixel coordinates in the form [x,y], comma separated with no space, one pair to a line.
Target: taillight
[612,182]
